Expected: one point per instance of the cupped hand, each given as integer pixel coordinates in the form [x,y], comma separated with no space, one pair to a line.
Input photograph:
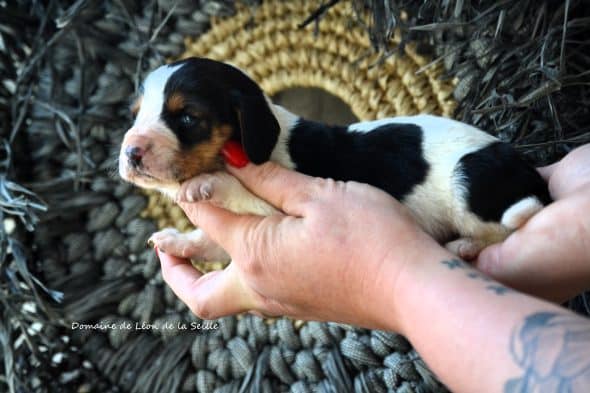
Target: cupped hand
[550,255]
[332,255]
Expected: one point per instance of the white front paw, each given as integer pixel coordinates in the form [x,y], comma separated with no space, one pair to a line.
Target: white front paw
[194,245]
[199,188]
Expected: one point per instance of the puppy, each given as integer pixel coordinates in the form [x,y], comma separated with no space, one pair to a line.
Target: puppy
[458,182]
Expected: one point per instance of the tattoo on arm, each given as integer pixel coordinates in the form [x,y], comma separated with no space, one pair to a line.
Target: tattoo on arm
[494,287]
[553,350]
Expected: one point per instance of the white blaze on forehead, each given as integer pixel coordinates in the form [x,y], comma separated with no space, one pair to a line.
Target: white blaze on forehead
[153,98]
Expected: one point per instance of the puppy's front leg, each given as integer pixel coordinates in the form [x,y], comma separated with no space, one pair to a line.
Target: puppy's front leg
[221,189]
[224,190]
[195,245]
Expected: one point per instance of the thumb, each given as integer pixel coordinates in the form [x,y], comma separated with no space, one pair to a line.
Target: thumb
[226,228]
[504,261]
[490,259]
[547,171]
[285,189]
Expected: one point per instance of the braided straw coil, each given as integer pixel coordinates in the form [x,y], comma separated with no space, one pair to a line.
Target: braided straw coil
[268,45]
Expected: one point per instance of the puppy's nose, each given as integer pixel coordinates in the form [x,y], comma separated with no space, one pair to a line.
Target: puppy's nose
[134,155]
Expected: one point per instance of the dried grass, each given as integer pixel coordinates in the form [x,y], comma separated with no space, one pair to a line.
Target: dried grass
[523,70]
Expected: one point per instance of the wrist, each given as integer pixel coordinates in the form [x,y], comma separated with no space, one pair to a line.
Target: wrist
[398,281]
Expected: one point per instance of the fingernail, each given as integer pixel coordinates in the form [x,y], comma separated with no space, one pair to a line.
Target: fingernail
[234,154]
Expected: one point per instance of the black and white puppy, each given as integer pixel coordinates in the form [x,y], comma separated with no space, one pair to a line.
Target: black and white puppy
[458,182]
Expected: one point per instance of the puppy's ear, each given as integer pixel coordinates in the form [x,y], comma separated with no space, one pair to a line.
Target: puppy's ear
[258,126]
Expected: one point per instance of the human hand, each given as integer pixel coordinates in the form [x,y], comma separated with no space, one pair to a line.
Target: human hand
[332,255]
[550,255]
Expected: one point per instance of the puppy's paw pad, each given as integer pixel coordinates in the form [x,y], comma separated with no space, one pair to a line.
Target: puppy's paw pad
[205,191]
[197,189]
[183,245]
[164,238]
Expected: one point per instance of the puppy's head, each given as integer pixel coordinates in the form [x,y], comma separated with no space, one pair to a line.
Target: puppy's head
[185,113]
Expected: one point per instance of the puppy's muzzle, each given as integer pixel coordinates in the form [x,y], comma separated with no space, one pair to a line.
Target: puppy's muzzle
[134,156]
[135,148]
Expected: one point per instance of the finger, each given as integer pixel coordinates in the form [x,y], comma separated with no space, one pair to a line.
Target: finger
[283,188]
[503,261]
[542,258]
[209,296]
[547,171]
[226,228]
[489,259]
[179,274]
[515,268]
[220,293]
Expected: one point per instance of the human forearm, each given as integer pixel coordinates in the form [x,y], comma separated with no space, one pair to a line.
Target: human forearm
[469,328]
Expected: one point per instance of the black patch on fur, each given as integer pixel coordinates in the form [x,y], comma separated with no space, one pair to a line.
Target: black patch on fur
[496,177]
[188,135]
[221,95]
[388,157]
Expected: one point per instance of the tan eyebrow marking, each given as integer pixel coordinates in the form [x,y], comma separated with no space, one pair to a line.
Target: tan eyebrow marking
[136,105]
[175,102]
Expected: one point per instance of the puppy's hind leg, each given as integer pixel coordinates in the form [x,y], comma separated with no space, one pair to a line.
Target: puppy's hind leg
[519,213]
[482,234]
[466,248]
[475,235]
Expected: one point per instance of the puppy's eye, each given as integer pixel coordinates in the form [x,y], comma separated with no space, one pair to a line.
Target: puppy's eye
[187,120]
